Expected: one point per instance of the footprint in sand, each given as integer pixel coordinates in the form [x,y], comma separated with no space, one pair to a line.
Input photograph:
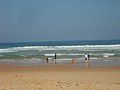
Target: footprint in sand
[117,83]
[77,84]
[59,84]
[97,82]
[68,84]
[40,88]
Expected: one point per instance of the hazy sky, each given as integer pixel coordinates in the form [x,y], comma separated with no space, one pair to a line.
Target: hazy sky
[39,20]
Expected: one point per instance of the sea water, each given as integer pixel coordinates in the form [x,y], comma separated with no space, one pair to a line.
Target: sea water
[102,52]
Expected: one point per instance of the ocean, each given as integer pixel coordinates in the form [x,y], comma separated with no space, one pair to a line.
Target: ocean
[37,52]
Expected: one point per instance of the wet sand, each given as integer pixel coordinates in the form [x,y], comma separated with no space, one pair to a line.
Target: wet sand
[59,77]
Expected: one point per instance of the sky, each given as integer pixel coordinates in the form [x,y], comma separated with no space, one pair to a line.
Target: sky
[52,20]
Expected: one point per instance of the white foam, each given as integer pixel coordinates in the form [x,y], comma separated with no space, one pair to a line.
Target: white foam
[68,48]
[61,54]
[6,50]
[73,54]
[108,54]
[49,54]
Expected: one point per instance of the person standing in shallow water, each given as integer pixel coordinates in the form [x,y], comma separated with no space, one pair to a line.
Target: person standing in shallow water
[47,60]
[87,60]
[88,56]
[55,58]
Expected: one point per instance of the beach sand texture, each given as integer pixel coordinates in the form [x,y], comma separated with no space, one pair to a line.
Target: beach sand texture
[59,77]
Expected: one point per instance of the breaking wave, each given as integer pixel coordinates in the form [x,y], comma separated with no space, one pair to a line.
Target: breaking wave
[68,48]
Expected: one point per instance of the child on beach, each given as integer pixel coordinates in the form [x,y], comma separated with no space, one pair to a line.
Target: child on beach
[73,61]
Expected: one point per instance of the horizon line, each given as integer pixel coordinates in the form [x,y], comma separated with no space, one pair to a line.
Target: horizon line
[58,40]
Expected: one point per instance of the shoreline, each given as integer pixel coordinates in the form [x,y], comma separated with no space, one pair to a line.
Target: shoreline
[52,62]
[55,67]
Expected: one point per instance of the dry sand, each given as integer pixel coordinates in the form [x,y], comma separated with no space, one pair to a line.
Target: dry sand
[59,77]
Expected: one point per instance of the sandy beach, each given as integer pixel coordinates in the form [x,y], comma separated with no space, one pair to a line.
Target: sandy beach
[59,77]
